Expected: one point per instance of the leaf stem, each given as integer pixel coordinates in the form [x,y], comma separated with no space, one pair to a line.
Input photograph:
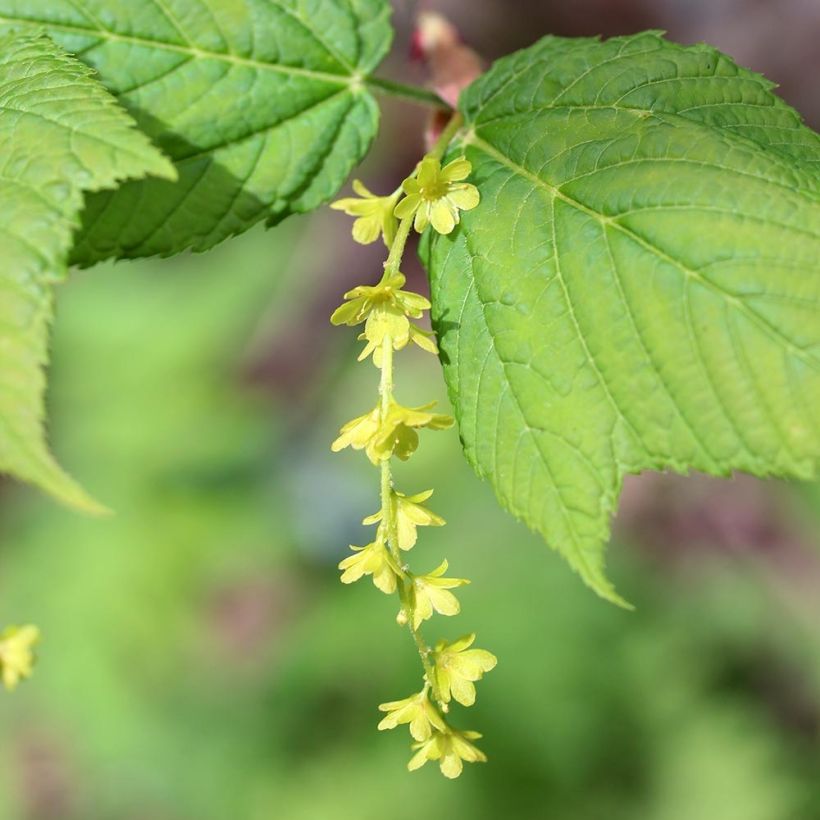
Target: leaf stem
[410,93]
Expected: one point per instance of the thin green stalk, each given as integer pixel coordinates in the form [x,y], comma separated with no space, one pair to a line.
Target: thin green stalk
[411,93]
[446,136]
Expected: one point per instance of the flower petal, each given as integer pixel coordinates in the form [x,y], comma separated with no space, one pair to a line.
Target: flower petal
[360,188]
[463,691]
[429,172]
[367,229]
[442,217]
[465,197]
[451,765]
[443,601]
[409,205]
[422,219]
[456,170]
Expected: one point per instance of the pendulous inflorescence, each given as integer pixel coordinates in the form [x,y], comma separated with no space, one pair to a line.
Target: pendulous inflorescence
[432,196]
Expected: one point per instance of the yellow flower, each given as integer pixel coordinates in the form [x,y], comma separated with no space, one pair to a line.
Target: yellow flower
[386,310]
[436,195]
[409,514]
[457,667]
[361,301]
[394,433]
[16,655]
[450,748]
[374,559]
[375,214]
[416,710]
[432,592]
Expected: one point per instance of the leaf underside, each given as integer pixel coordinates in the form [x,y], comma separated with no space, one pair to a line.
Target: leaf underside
[639,287]
[61,134]
[261,104]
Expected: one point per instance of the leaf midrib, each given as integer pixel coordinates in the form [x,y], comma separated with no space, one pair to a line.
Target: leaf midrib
[770,330]
[248,62]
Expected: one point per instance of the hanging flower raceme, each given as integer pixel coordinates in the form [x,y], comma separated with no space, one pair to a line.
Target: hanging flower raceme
[433,195]
[436,195]
[450,748]
[375,214]
[17,653]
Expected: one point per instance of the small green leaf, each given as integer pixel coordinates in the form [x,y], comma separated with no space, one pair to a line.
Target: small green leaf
[61,134]
[261,104]
[638,289]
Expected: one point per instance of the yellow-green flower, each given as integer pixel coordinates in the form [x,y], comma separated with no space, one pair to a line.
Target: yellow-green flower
[457,667]
[409,514]
[361,301]
[393,433]
[375,214]
[16,653]
[418,711]
[432,592]
[436,195]
[374,559]
[386,310]
[450,748]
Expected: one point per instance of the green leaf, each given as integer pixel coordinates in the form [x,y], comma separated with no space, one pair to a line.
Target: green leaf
[639,287]
[61,134]
[261,104]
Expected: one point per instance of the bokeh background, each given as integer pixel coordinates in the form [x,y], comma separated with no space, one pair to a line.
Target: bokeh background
[201,660]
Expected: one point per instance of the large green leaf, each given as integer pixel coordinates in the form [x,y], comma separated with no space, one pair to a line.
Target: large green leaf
[261,104]
[639,287]
[61,134]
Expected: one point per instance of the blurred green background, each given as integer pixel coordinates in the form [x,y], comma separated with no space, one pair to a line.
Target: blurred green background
[201,661]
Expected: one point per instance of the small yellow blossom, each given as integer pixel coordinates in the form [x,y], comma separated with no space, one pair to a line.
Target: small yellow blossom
[436,195]
[450,748]
[16,653]
[392,433]
[375,214]
[457,667]
[418,711]
[432,592]
[361,301]
[375,560]
[386,310]
[409,514]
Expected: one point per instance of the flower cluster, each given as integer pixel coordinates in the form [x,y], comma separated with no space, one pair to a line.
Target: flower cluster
[16,653]
[432,196]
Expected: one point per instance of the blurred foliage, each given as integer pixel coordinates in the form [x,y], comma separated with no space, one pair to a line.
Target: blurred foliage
[200,659]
